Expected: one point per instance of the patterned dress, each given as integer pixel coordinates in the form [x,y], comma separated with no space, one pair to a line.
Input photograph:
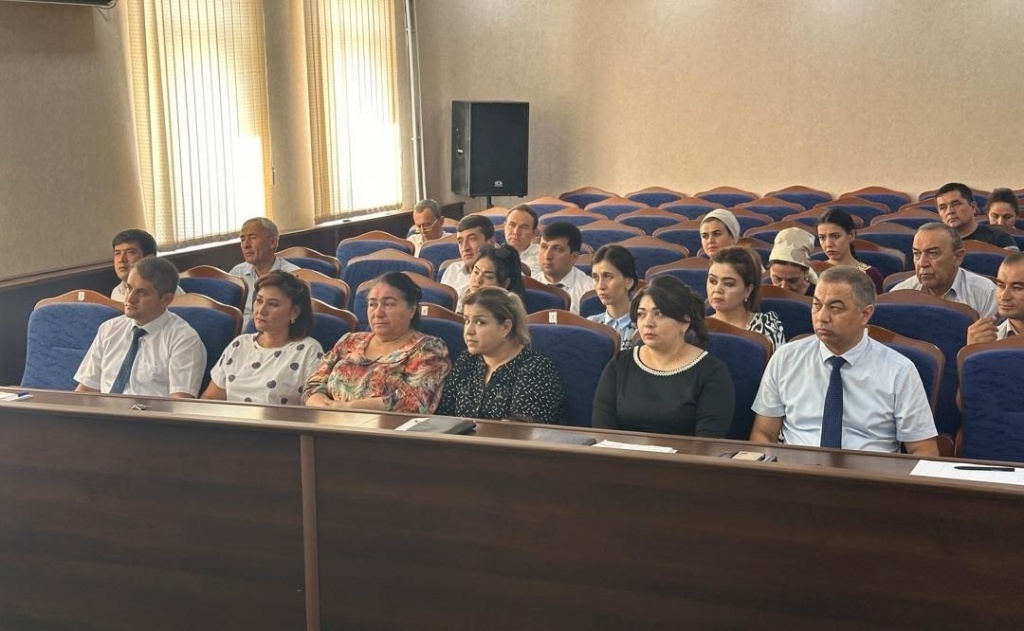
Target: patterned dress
[768,324]
[410,376]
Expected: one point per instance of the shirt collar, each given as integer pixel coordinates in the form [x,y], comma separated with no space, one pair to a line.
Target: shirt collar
[156,324]
[959,287]
[851,356]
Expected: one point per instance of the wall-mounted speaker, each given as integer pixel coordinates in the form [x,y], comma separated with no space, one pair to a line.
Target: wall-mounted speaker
[490,148]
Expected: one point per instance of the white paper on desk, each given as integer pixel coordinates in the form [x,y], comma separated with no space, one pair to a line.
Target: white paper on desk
[948,470]
[617,445]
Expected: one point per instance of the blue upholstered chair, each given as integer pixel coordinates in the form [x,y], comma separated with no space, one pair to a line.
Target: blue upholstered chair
[980,197]
[892,199]
[648,219]
[307,258]
[582,197]
[767,233]
[604,232]
[802,195]
[496,214]
[920,316]
[434,292]
[793,309]
[650,252]
[983,258]
[685,233]
[614,206]
[590,304]
[363,268]
[992,400]
[777,209]
[655,196]
[690,207]
[445,324]
[439,251]
[332,291]
[727,196]
[746,354]
[548,204]
[692,272]
[926,356]
[912,218]
[573,215]
[216,323]
[857,207]
[60,331]
[892,236]
[541,297]
[580,349]
[368,243]
[885,260]
[216,284]
[750,221]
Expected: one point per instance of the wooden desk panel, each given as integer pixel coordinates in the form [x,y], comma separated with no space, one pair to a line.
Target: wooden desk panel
[119,525]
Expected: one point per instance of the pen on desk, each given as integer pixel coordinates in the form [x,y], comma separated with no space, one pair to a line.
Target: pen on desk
[982,468]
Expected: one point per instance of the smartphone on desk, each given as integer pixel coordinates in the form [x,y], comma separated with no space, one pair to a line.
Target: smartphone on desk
[749,456]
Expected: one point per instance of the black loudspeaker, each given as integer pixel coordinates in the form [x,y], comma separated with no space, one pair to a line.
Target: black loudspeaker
[490,148]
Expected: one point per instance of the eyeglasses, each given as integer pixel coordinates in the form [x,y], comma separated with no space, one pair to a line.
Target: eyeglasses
[427,227]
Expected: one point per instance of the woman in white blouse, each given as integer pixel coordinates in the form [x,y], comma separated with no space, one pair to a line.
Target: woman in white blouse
[273,364]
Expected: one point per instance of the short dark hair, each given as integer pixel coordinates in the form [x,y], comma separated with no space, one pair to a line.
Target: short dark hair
[298,292]
[528,209]
[748,265]
[860,284]
[964,190]
[160,272]
[1006,196]
[134,235]
[677,301]
[411,292]
[563,229]
[1013,258]
[469,222]
[839,216]
[507,265]
[620,258]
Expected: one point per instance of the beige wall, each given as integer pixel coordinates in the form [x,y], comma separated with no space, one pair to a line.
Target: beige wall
[758,94]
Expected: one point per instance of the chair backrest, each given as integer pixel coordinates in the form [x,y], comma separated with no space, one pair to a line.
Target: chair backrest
[857,207]
[368,243]
[216,323]
[496,214]
[444,324]
[777,209]
[580,349]
[684,233]
[727,196]
[648,219]
[332,291]
[803,195]
[746,353]
[330,323]
[912,218]
[655,196]
[363,268]
[216,284]
[590,304]
[980,197]
[435,292]
[926,356]
[690,207]
[614,206]
[311,259]
[60,331]
[792,308]
[983,258]
[767,233]
[548,204]
[604,232]
[572,215]
[892,280]
[692,272]
[649,252]
[587,195]
[540,297]
[879,194]
[886,260]
[439,251]
[920,316]
[992,400]
[892,236]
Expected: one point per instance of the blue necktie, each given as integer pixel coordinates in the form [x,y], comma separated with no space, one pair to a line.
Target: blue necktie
[129,360]
[832,416]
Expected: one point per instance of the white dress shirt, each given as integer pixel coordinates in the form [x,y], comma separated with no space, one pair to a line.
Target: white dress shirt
[576,283]
[884,400]
[973,290]
[456,276]
[247,272]
[531,256]
[1005,330]
[171,357]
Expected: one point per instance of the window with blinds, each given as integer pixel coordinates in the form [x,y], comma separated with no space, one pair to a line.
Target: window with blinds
[199,83]
[351,58]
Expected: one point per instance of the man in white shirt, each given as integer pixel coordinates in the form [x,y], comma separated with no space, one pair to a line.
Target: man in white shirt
[938,252]
[130,247]
[472,232]
[842,389]
[148,351]
[429,222]
[521,232]
[560,244]
[258,238]
[1010,304]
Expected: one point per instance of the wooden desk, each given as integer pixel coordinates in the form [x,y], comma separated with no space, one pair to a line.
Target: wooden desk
[196,515]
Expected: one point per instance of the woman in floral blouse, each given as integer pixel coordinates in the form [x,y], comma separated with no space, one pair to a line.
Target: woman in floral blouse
[393,367]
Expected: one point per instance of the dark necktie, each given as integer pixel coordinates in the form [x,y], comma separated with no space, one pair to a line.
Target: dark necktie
[129,360]
[832,416]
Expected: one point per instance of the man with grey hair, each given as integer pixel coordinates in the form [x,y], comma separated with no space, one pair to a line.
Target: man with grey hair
[148,351]
[840,388]
[258,239]
[938,252]
[429,223]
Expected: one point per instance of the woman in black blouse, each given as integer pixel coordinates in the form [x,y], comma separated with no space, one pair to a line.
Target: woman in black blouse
[670,385]
[499,376]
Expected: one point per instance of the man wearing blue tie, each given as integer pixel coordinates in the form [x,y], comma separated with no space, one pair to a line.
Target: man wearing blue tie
[840,388]
[148,351]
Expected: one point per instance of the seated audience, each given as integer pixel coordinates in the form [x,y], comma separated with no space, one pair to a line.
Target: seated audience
[560,244]
[499,376]
[840,388]
[258,238]
[429,222]
[614,272]
[472,232]
[1003,209]
[836,233]
[130,246]
[1009,301]
[273,364]
[789,264]
[938,252]
[148,351]
[734,292]
[669,384]
[521,233]
[718,229]
[958,210]
[393,367]
[497,266]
